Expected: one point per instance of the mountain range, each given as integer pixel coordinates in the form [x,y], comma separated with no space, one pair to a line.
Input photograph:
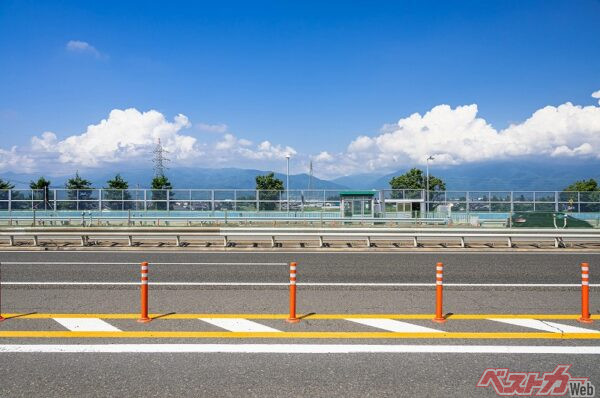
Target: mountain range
[499,175]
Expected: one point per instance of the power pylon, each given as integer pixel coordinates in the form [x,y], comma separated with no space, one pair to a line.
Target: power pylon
[159,160]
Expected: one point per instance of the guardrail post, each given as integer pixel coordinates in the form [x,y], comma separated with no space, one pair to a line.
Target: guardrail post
[321,243]
[368,241]
[1,317]
[415,242]
[177,240]
[293,318]
[11,240]
[130,240]
[510,244]
[144,294]
[225,243]
[439,286]
[35,240]
[462,241]
[585,294]
[273,243]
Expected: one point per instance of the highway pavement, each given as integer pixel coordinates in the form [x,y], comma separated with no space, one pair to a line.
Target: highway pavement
[219,322]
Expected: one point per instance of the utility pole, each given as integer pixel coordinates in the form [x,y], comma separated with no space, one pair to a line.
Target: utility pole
[287,183]
[427,190]
[310,175]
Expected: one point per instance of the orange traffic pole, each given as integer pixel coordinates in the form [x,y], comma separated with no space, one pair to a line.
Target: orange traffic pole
[144,294]
[585,294]
[293,318]
[1,317]
[439,292]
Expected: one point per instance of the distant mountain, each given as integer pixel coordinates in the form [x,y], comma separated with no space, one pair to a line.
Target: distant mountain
[359,181]
[200,178]
[509,175]
[501,175]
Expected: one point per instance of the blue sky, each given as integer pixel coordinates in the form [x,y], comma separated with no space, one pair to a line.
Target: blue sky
[321,80]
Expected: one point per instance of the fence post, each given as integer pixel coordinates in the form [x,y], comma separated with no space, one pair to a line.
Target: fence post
[439,286]
[585,294]
[1,317]
[293,318]
[144,294]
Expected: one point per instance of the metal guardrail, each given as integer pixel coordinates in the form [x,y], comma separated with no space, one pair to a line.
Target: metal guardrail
[133,220]
[255,233]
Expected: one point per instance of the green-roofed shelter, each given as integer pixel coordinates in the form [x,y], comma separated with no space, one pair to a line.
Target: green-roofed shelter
[357,203]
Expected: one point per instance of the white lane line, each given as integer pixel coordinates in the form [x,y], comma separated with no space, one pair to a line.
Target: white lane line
[129,263]
[297,349]
[544,325]
[238,325]
[393,325]
[86,325]
[60,283]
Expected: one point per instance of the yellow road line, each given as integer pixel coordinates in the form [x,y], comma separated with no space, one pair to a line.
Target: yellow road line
[308,316]
[298,335]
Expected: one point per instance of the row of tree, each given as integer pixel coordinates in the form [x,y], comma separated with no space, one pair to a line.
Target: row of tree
[77,182]
[412,179]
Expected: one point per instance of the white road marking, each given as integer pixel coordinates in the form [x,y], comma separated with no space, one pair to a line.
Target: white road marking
[238,325]
[123,263]
[86,325]
[60,283]
[297,349]
[393,325]
[544,325]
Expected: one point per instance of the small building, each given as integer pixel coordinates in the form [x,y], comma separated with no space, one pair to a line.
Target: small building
[357,203]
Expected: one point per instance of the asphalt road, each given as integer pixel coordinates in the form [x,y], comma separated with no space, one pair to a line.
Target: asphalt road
[356,267]
[285,374]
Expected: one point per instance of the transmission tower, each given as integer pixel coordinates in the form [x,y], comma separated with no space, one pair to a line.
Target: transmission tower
[159,160]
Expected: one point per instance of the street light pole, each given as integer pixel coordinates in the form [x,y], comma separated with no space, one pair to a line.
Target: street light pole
[427,184]
[287,183]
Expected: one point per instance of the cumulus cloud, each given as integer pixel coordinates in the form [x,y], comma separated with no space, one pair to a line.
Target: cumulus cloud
[596,94]
[128,137]
[125,135]
[458,135]
[78,46]
[13,160]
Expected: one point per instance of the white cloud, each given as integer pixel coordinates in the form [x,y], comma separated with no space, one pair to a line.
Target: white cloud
[124,136]
[84,47]
[324,156]
[129,137]
[596,94]
[458,135]
[13,160]
[212,128]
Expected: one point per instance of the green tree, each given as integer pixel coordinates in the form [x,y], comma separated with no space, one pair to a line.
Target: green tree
[41,191]
[161,182]
[5,185]
[585,191]
[78,183]
[41,183]
[590,185]
[269,189]
[79,189]
[116,194]
[415,179]
[161,185]
[117,183]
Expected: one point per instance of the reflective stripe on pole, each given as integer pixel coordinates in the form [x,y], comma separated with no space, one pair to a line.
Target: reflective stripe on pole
[144,294]
[292,318]
[585,294]
[1,317]
[439,286]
